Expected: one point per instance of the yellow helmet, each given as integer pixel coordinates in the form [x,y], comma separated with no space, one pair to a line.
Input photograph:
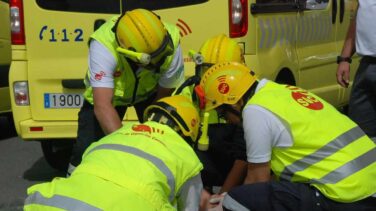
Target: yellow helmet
[225,83]
[177,112]
[143,38]
[221,48]
[140,30]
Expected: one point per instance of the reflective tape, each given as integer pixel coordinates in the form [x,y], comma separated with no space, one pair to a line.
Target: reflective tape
[59,201]
[349,168]
[324,152]
[155,160]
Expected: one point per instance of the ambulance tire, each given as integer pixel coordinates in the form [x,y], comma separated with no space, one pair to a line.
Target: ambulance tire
[7,126]
[57,153]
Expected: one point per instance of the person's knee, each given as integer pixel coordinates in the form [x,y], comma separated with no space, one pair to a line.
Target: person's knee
[248,197]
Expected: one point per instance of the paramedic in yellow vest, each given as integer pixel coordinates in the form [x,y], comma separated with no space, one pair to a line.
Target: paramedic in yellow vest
[141,166]
[320,158]
[134,60]
[225,158]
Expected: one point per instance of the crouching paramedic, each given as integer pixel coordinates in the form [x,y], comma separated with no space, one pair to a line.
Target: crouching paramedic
[224,159]
[134,60]
[149,166]
[321,158]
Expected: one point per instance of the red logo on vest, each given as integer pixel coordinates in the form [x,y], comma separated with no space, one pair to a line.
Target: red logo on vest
[304,98]
[142,128]
[146,128]
[99,76]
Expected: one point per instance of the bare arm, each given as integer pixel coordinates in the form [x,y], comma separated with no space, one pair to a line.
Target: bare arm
[106,114]
[236,176]
[343,70]
[258,172]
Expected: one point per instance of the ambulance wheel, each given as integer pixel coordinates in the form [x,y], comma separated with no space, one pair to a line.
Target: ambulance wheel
[57,153]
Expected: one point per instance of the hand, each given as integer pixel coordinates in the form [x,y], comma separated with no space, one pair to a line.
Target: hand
[215,202]
[343,74]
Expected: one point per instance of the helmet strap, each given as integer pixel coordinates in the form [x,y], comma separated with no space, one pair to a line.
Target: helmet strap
[193,80]
[230,109]
[250,92]
[161,118]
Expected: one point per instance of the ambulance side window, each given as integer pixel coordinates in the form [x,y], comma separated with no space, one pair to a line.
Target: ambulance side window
[86,6]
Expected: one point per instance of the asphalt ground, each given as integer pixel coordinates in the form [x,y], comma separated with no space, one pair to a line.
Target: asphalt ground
[21,166]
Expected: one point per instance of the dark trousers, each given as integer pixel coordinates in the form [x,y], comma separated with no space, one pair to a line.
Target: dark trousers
[89,129]
[226,144]
[281,196]
[362,104]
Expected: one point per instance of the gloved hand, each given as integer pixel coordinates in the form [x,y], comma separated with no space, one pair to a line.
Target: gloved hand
[215,202]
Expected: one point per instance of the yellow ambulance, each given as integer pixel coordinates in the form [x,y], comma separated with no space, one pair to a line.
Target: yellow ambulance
[5,59]
[289,41]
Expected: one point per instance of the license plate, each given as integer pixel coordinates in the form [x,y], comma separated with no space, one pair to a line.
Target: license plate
[57,100]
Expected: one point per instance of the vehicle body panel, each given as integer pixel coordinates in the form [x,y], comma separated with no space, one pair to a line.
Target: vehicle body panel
[300,43]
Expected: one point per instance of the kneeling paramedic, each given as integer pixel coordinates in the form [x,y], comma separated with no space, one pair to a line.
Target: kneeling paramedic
[224,159]
[134,60]
[148,166]
[321,159]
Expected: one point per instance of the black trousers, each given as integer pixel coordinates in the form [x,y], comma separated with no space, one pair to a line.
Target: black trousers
[281,196]
[226,144]
[89,129]
[362,103]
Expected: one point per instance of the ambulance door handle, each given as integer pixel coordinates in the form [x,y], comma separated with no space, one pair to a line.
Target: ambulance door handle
[73,83]
[341,10]
[98,23]
[334,11]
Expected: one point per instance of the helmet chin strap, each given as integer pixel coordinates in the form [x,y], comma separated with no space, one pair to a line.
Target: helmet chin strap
[230,109]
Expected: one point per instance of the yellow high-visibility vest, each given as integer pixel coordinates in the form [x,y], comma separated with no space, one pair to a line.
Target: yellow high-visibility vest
[329,150]
[138,167]
[124,77]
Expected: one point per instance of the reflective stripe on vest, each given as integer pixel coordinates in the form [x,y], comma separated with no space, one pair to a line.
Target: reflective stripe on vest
[328,150]
[59,201]
[349,168]
[155,160]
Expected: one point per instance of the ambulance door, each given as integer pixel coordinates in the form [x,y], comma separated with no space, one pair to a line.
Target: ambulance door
[57,34]
[317,50]
[275,32]
[5,56]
